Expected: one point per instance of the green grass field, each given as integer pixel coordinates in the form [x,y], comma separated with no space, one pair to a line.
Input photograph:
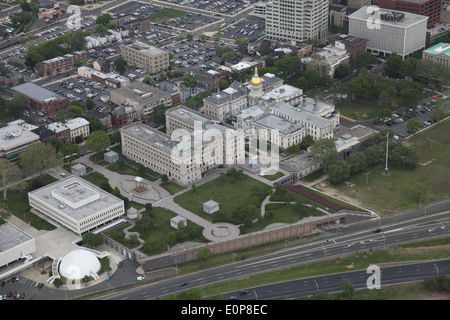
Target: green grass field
[232,194]
[386,194]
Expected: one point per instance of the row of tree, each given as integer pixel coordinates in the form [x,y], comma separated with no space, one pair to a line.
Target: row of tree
[341,170]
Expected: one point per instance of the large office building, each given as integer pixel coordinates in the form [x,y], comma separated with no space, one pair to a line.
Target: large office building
[14,139]
[76,204]
[161,153]
[146,57]
[430,8]
[15,244]
[389,31]
[296,20]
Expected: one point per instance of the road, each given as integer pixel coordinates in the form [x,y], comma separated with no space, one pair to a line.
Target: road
[345,244]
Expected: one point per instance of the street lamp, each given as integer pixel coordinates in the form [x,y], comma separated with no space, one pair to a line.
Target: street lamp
[317,286]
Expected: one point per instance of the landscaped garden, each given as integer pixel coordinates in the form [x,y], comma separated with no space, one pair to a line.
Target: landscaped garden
[154,228]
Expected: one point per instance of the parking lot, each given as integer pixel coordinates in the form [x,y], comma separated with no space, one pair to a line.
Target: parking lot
[250,28]
[422,113]
[227,7]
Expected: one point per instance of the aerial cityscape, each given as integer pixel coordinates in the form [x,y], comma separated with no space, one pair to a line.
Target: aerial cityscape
[238,150]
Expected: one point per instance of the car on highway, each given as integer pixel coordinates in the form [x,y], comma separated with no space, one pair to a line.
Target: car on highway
[183,284]
[377,230]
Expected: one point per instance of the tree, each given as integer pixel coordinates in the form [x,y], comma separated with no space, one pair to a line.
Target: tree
[92,240]
[69,149]
[223,84]
[40,157]
[409,97]
[164,179]
[120,65]
[98,141]
[204,255]
[96,125]
[342,71]
[407,68]
[338,172]
[90,104]
[438,115]
[373,155]
[418,191]
[365,59]
[103,19]
[325,150]
[242,44]
[393,63]
[307,142]
[8,172]
[413,124]
[160,115]
[357,162]
[384,113]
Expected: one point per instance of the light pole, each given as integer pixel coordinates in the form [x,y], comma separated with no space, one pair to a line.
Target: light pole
[317,286]
[386,172]
[437,269]
[325,250]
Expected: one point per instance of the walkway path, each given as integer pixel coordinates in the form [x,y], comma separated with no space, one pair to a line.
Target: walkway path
[160,197]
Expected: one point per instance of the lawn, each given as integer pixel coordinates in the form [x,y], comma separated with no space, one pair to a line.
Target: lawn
[236,194]
[154,228]
[17,202]
[386,194]
[172,187]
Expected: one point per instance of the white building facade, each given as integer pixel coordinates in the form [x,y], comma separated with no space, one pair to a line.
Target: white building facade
[76,204]
[389,31]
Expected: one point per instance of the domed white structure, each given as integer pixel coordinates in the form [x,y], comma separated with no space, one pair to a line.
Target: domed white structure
[79,263]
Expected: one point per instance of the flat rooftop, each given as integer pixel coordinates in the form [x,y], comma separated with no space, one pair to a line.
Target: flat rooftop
[299,161]
[11,236]
[75,197]
[151,50]
[407,20]
[14,135]
[36,92]
[284,126]
[150,135]
[440,48]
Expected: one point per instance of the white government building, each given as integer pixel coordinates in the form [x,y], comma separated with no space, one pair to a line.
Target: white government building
[76,204]
[389,31]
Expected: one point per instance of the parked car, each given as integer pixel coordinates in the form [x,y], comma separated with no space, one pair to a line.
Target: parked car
[109,277]
[140,278]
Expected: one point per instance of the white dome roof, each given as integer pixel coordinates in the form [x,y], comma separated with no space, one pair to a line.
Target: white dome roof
[78,263]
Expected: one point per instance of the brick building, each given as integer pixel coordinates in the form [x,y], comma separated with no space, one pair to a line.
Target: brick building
[353,45]
[61,64]
[41,99]
[429,8]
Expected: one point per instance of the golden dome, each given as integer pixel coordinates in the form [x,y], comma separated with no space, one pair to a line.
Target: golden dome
[256,80]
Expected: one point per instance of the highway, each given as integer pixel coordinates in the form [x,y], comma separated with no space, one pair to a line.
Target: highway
[340,245]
